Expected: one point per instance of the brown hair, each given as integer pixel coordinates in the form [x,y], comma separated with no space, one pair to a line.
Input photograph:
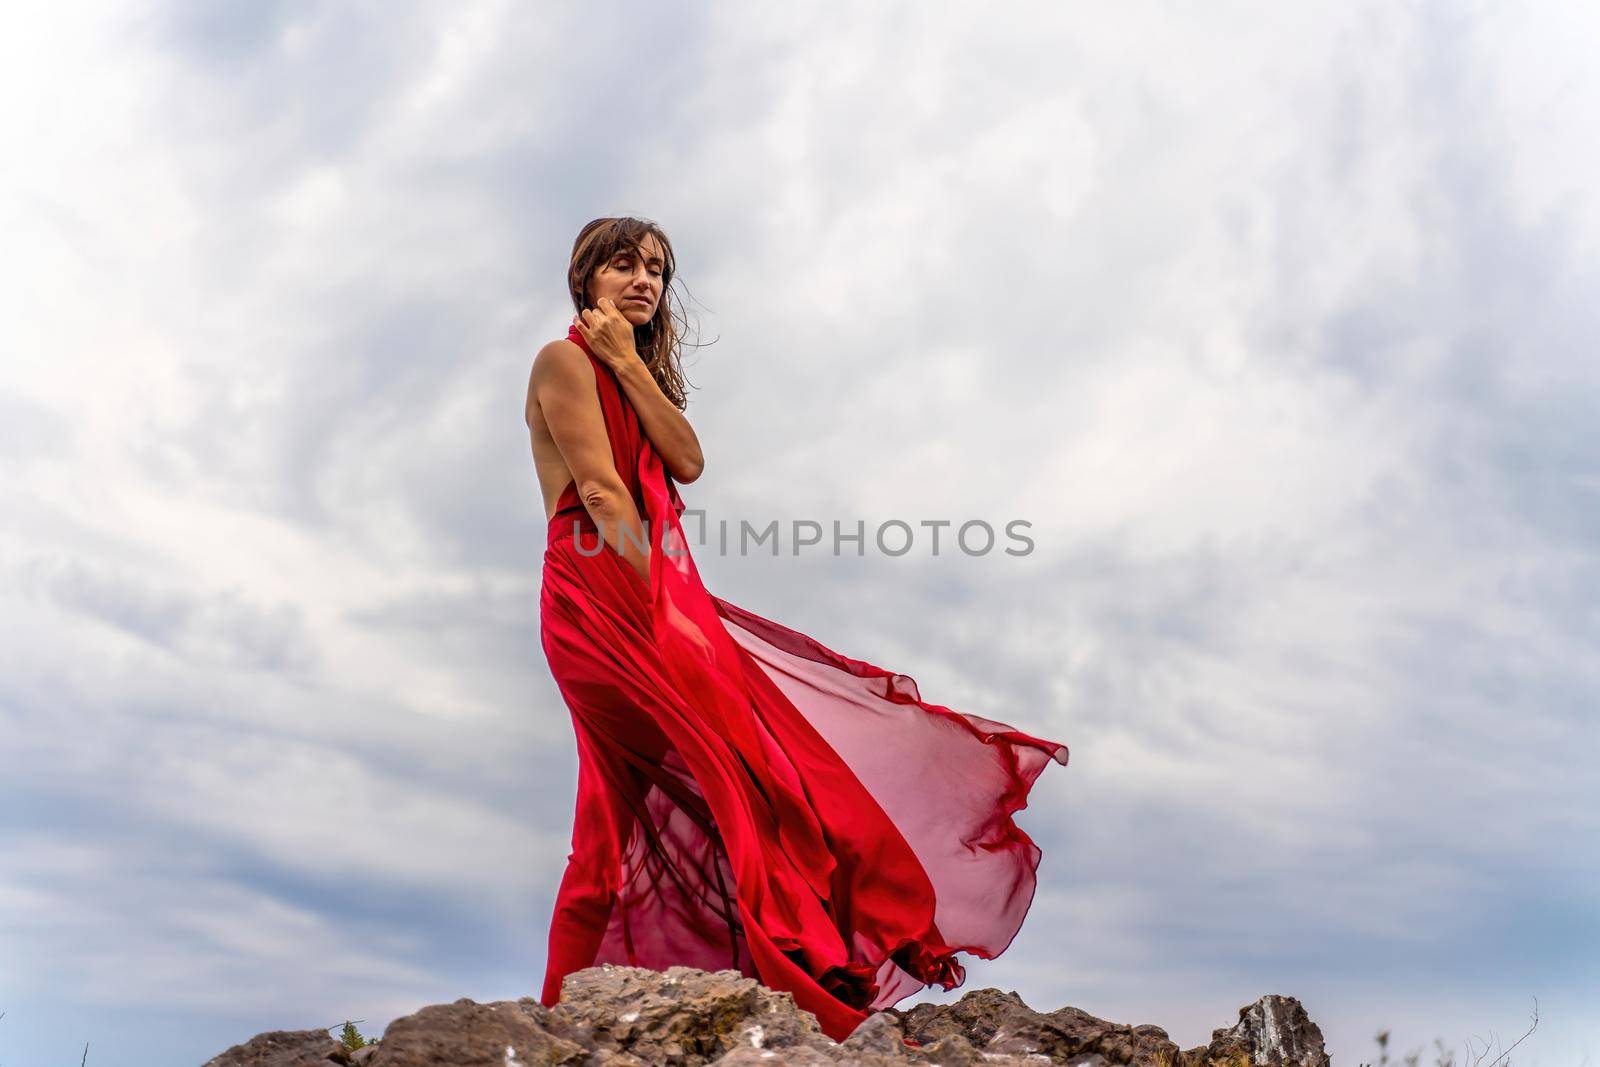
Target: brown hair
[658,340]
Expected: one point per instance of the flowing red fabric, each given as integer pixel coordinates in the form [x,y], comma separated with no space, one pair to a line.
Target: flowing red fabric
[750,799]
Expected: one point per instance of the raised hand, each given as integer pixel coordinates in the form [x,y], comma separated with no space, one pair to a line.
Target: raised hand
[609,333]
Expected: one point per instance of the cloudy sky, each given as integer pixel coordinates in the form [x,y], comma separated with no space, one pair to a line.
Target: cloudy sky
[1275,321]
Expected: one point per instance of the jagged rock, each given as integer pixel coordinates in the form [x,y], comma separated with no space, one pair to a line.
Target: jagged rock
[467,1034]
[881,1039]
[612,1016]
[680,1017]
[878,1042]
[798,1056]
[996,1022]
[953,1050]
[284,1048]
[1275,1031]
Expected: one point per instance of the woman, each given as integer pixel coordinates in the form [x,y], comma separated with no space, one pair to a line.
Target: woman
[747,798]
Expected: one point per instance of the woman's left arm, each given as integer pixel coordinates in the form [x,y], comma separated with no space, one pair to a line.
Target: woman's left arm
[610,335]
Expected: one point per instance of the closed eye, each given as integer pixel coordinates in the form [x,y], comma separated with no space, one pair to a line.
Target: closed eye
[623,263]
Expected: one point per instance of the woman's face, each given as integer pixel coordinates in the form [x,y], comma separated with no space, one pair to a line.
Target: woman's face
[632,280]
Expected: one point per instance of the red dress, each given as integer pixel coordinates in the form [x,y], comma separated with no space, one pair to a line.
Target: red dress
[749,799]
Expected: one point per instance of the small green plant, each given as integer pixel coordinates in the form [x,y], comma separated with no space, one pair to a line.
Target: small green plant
[351,1038]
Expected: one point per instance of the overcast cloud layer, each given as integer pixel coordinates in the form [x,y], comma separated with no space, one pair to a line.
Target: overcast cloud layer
[1276,322]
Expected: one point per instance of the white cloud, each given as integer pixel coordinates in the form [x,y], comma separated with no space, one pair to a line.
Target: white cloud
[1273,321]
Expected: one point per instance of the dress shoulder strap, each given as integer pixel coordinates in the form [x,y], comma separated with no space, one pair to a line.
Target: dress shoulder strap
[578,339]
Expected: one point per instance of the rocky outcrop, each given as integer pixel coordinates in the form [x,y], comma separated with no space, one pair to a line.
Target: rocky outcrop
[1272,1030]
[682,1017]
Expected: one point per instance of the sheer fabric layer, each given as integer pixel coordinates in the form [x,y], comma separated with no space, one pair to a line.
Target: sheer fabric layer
[750,799]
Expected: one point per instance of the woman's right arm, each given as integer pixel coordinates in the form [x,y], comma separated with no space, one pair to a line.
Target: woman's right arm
[564,386]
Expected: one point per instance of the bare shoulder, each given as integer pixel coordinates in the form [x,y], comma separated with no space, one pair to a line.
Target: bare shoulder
[560,368]
[560,374]
[560,359]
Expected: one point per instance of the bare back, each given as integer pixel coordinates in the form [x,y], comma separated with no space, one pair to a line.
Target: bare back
[549,465]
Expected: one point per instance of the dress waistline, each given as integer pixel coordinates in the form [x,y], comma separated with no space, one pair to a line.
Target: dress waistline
[568,521]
